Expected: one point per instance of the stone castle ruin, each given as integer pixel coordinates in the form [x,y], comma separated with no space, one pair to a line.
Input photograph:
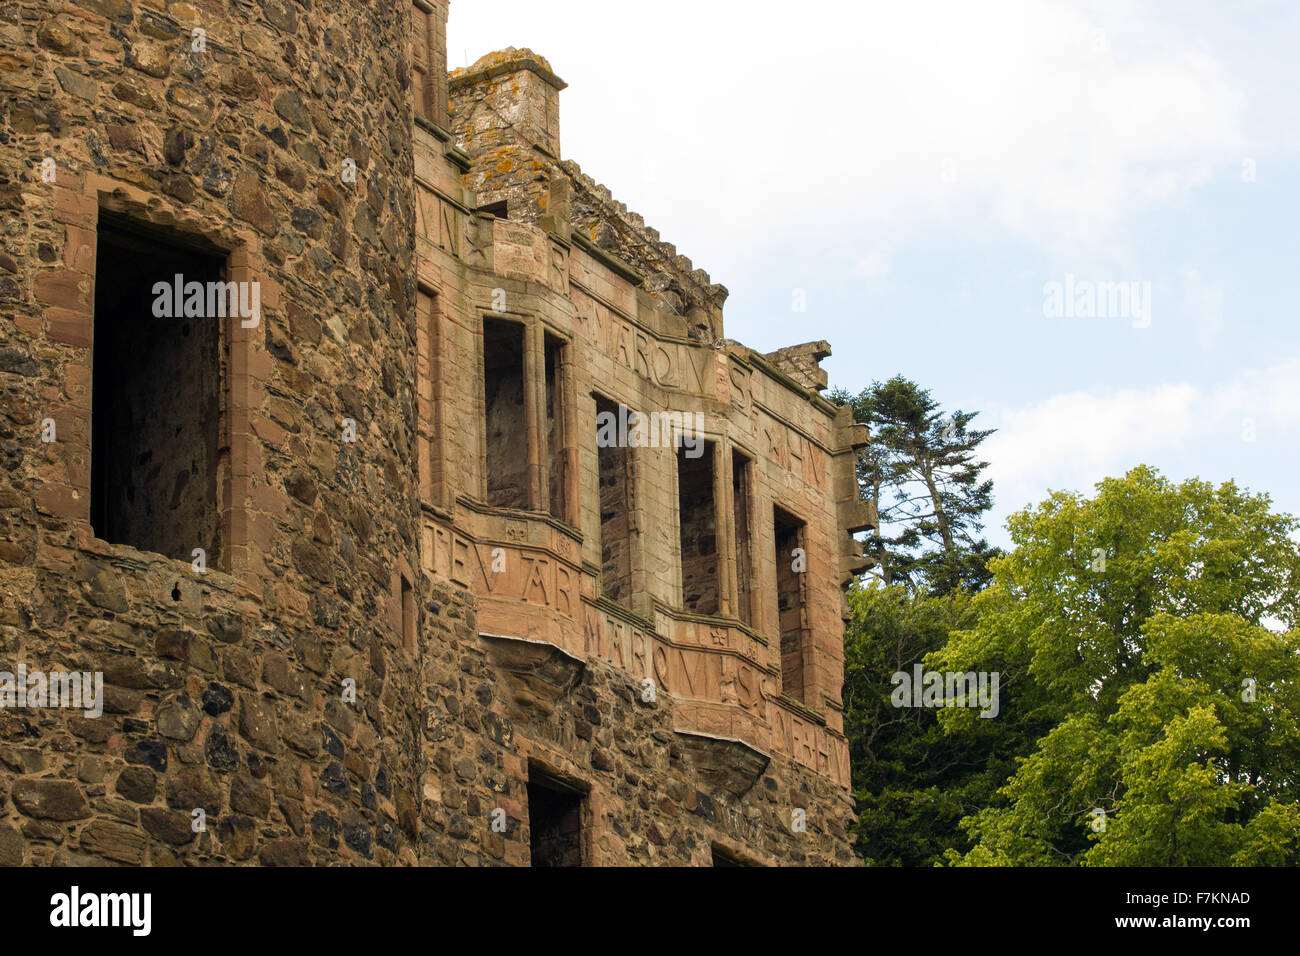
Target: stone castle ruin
[303,347]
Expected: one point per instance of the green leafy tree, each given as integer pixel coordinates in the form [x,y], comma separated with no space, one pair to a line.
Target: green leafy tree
[1152,630]
[922,470]
[913,782]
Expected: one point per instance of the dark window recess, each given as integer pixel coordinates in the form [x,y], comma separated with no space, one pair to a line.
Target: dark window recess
[408,617]
[554,822]
[498,209]
[155,398]
[556,440]
[790,590]
[742,495]
[506,420]
[699,530]
[615,519]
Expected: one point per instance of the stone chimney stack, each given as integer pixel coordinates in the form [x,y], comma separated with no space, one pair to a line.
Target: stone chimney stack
[505,116]
[508,98]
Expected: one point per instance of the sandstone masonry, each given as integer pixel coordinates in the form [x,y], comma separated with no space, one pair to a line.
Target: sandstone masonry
[363,584]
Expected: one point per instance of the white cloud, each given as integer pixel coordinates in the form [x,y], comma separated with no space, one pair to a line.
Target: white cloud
[1071,441]
[760,122]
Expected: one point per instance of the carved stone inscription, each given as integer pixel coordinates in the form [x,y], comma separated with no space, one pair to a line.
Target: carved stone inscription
[691,662]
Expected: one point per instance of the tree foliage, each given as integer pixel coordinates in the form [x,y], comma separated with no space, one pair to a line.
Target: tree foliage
[923,471]
[913,782]
[1143,627]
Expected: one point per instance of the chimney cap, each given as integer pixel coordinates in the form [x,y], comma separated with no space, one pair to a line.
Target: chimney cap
[503,63]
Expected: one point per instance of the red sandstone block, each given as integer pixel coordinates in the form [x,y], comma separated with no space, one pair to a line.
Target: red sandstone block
[249,582]
[76,382]
[72,327]
[75,208]
[240,466]
[249,455]
[64,289]
[62,501]
[261,531]
[79,473]
[58,560]
[260,365]
[124,138]
[255,396]
[79,249]
[268,431]
[238,527]
[69,328]
[272,502]
[70,181]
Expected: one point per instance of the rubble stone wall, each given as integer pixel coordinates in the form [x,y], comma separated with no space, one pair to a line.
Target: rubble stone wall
[377,658]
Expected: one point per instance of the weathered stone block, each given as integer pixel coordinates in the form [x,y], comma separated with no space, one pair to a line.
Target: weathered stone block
[50,799]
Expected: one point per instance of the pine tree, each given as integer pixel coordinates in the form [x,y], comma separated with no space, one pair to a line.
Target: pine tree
[923,472]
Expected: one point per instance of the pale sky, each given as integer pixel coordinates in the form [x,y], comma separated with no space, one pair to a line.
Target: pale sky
[922,172]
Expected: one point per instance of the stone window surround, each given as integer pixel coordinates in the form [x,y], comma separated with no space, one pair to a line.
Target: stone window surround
[79,199]
[244,532]
[404,620]
[431,401]
[535,333]
[745,565]
[725,448]
[435,92]
[807,646]
[539,760]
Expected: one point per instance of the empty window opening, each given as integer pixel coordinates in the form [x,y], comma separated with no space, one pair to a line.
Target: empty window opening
[554,822]
[556,439]
[742,478]
[791,591]
[506,417]
[699,529]
[408,617]
[155,397]
[615,514]
[499,209]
